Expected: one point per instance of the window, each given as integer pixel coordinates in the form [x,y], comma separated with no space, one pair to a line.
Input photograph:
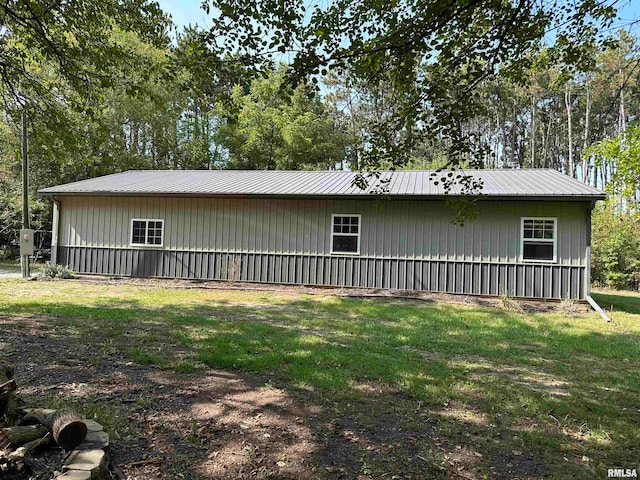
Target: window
[539,239]
[146,232]
[345,234]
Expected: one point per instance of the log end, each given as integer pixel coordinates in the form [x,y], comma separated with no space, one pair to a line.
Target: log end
[72,435]
[69,430]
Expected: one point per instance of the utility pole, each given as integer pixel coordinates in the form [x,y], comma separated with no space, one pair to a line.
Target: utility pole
[25,192]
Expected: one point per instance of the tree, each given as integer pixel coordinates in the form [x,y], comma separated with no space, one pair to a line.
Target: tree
[95,91]
[130,123]
[622,152]
[435,53]
[56,60]
[273,126]
[615,248]
[75,38]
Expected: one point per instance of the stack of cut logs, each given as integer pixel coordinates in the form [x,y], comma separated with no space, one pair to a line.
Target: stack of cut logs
[24,431]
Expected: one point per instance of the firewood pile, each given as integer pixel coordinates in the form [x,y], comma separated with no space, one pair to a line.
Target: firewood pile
[47,444]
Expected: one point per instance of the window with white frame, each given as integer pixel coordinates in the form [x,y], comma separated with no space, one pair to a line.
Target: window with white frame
[539,239]
[146,232]
[345,234]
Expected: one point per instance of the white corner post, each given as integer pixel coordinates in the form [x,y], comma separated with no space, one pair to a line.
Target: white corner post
[54,231]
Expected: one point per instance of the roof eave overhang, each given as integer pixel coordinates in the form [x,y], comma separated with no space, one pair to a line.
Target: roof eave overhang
[363,196]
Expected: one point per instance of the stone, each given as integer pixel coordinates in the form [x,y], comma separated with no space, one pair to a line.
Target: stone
[93,461]
[75,475]
[94,440]
[92,425]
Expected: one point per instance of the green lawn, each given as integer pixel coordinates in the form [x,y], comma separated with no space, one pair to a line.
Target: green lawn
[13,266]
[560,390]
[10,265]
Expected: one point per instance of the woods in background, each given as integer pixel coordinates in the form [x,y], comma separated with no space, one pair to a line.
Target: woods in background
[126,93]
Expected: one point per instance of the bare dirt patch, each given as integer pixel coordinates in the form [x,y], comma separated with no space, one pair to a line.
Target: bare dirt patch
[211,424]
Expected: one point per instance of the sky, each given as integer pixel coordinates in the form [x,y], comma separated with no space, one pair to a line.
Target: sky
[185,12]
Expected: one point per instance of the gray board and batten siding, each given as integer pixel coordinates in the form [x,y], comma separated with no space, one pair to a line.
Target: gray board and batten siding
[235,230]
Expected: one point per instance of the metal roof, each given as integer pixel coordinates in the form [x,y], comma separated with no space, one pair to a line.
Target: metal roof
[496,183]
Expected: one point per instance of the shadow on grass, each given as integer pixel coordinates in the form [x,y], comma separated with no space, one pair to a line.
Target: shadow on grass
[487,381]
[628,302]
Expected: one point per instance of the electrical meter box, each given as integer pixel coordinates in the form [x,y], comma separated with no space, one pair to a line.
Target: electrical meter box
[26,242]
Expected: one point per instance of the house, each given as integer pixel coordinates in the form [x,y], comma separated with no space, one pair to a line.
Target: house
[531,237]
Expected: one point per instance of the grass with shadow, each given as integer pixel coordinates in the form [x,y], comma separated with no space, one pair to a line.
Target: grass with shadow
[618,301]
[10,265]
[529,394]
[13,266]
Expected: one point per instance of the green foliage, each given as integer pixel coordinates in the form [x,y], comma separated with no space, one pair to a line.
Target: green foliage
[432,55]
[46,44]
[7,253]
[108,91]
[615,248]
[623,152]
[50,270]
[11,211]
[85,72]
[212,77]
[140,119]
[274,126]
[131,124]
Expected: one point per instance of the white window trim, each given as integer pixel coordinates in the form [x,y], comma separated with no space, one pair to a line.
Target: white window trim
[543,240]
[146,232]
[333,216]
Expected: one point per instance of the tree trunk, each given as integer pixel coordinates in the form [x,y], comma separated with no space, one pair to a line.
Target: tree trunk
[586,161]
[355,156]
[567,102]
[196,120]
[496,147]
[545,149]
[514,133]
[533,132]
[622,115]
[135,132]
